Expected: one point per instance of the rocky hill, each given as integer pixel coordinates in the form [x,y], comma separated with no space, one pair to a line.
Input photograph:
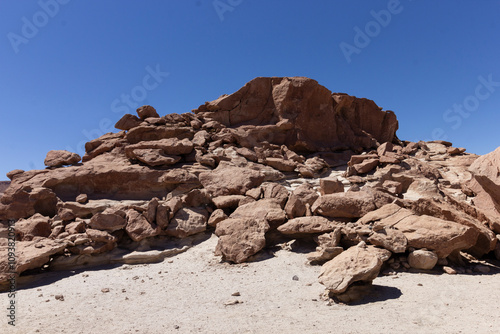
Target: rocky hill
[281,159]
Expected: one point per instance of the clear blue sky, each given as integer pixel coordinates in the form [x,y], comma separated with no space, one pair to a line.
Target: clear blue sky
[66,70]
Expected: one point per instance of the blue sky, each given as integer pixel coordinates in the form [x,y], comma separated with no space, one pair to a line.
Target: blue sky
[71,68]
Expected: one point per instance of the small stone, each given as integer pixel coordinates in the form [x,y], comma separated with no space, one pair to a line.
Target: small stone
[232,302]
[176,327]
[295,278]
[449,270]
[59,297]
[105,290]
[482,269]
[235,294]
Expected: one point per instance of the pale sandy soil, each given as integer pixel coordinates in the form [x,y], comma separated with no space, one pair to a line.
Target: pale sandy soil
[187,294]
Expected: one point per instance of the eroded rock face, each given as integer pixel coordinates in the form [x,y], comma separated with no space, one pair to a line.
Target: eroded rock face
[301,114]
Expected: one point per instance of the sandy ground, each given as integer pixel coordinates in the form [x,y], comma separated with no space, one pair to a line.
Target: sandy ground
[188,293]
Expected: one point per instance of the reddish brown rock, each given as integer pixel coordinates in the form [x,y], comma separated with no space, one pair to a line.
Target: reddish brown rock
[357,264]
[486,185]
[349,204]
[128,122]
[35,226]
[216,217]
[275,191]
[109,220]
[330,186]
[138,227]
[240,238]
[230,180]
[61,158]
[187,221]
[228,202]
[338,120]
[268,210]
[300,198]
[147,111]
[281,164]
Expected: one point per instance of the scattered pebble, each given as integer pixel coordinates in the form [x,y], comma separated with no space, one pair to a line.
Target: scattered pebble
[59,297]
[295,277]
[236,294]
[105,290]
[449,270]
[232,302]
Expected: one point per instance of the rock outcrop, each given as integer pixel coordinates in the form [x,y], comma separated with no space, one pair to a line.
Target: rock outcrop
[280,159]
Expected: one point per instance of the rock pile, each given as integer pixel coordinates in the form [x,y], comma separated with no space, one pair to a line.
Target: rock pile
[281,159]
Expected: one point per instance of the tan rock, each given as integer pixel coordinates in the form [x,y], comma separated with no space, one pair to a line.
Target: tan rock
[228,202]
[390,239]
[330,186]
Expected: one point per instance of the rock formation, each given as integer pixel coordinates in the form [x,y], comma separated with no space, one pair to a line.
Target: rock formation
[281,159]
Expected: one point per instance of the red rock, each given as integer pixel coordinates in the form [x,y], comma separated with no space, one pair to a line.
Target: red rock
[35,226]
[349,204]
[240,238]
[128,122]
[302,196]
[154,157]
[228,202]
[338,120]
[308,225]
[109,220]
[230,180]
[281,164]
[275,191]
[357,264]
[330,186]
[216,217]
[147,111]
[61,158]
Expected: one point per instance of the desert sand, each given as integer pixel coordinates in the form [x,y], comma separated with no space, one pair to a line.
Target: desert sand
[192,292]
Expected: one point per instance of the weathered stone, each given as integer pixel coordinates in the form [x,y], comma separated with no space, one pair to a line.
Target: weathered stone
[216,217]
[35,226]
[356,264]
[330,186]
[422,259]
[228,202]
[138,227]
[109,220]
[303,195]
[230,180]
[128,122]
[240,238]
[308,225]
[147,111]
[187,221]
[60,158]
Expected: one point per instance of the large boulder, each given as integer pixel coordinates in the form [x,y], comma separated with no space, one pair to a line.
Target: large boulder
[240,238]
[227,179]
[350,204]
[187,221]
[357,264]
